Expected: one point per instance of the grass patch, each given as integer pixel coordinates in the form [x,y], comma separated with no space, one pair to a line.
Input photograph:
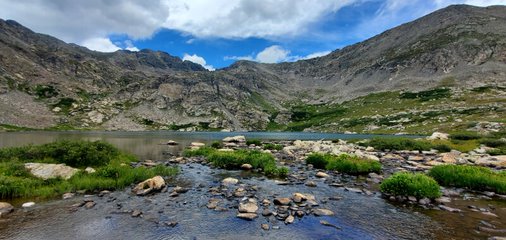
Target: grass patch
[112,172]
[433,94]
[217,145]
[471,177]
[343,163]
[234,160]
[272,146]
[465,136]
[498,151]
[255,142]
[398,144]
[409,184]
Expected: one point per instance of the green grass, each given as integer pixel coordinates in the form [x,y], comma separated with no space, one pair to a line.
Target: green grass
[398,144]
[471,177]
[433,94]
[234,160]
[409,184]
[112,169]
[255,142]
[498,151]
[465,136]
[272,146]
[343,163]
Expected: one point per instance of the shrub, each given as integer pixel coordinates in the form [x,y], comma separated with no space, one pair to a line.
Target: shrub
[255,142]
[498,151]
[234,160]
[471,177]
[271,146]
[495,143]
[72,153]
[427,95]
[442,147]
[353,165]
[343,163]
[318,160]
[217,145]
[465,136]
[398,144]
[409,184]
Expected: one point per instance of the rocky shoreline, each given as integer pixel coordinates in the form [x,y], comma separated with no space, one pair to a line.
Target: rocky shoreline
[245,198]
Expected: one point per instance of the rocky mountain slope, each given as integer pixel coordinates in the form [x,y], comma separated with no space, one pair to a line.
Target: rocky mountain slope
[46,83]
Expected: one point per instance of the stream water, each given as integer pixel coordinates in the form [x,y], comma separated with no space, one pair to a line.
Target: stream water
[359,216]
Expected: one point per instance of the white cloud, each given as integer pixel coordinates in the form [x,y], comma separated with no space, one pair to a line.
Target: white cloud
[275,54]
[190,41]
[272,54]
[198,60]
[130,46]
[100,44]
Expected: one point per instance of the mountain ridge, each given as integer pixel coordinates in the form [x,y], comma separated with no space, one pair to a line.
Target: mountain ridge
[69,86]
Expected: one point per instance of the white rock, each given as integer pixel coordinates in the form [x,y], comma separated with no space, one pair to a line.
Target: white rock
[90,170]
[49,170]
[230,181]
[153,184]
[28,204]
[438,136]
[237,139]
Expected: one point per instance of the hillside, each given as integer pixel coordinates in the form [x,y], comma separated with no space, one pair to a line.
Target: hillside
[459,51]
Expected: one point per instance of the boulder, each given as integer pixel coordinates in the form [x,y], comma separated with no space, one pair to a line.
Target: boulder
[90,170]
[438,136]
[50,170]
[246,166]
[5,208]
[153,184]
[28,204]
[322,175]
[322,212]
[235,139]
[229,181]
[282,201]
[248,207]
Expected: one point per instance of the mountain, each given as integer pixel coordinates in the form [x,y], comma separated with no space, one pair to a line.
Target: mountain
[47,83]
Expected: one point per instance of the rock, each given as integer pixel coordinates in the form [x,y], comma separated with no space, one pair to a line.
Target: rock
[424,201]
[266,212]
[171,224]
[153,184]
[229,181]
[213,203]
[236,139]
[325,223]
[197,144]
[28,204]
[411,199]
[369,149]
[240,192]
[68,195]
[322,175]
[266,202]
[443,200]
[50,170]
[489,214]
[449,209]
[299,197]
[90,170]
[90,204]
[450,158]
[179,189]
[438,136]
[136,213]
[289,219]
[246,166]
[282,201]
[171,143]
[415,158]
[247,216]
[310,184]
[322,212]
[248,207]
[5,208]
[265,226]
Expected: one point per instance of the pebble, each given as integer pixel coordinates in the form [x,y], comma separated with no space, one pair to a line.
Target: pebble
[265,226]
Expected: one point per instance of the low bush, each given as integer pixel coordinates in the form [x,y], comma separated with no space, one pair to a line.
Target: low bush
[111,172]
[398,144]
[409,184]
[272,146]
[353,165]
[343,163]
[465,136]
[217,145]
[494,143]
[255,142]
[471,177]
[72,153]
[498,151]
[234,160]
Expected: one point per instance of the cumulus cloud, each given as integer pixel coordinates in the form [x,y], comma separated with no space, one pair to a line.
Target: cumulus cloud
[130,46]
[198,60]
[100,44]
[275,54]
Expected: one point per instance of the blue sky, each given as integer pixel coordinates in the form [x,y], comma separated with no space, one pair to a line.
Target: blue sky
[217,33]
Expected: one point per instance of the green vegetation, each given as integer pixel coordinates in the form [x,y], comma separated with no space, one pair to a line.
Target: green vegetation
[409,184]
[45,91]
[433,94]
[465,136]
[471,177]
[113,170]
[399,144]
[235,159]
[343,163]
[217,145]
[498,151]
[272,146]
[255,142]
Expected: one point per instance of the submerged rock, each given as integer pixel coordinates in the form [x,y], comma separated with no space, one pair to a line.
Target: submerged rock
[5,208]
[322,212]
[153,184]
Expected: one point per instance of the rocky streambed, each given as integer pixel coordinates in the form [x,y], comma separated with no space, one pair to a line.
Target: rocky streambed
[203,202]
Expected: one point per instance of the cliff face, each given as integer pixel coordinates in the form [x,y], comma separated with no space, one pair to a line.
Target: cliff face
[45,82]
